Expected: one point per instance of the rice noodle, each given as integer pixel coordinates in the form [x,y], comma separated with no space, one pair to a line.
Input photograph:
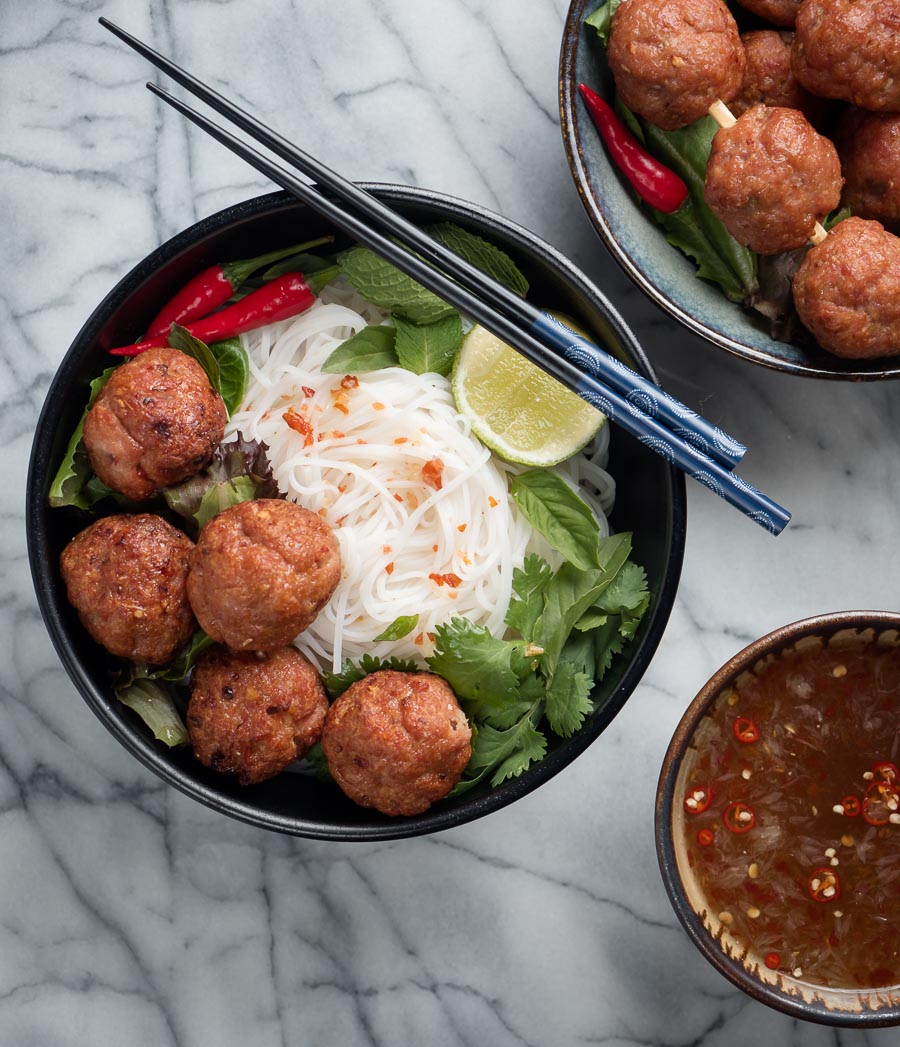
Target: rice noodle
[361,468]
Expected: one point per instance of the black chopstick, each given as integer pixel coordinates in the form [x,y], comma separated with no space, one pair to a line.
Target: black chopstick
[642,426]
[640,392]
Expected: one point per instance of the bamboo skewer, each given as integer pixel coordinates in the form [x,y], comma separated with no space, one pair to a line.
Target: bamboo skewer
[724,117]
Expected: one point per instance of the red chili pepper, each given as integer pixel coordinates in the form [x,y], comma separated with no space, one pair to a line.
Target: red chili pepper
[278,300]
[652,181]
[738,818]
[823,885]
[851,806]
[881,801]
[773,961]
[698,799]
[705,837]
[886,771]
[745,730]
[214,286]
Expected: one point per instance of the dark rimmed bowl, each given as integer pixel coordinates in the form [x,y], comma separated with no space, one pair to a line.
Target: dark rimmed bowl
[651,502]
[842,1007]
[662,272]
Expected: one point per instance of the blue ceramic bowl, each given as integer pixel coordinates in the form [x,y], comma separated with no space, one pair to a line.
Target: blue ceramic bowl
[639,246]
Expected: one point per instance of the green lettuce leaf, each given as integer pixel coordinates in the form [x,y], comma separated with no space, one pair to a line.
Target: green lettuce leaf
[70,485]
[601,20]
[156,708]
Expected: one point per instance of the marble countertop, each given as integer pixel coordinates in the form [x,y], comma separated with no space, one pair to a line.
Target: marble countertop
[132,915]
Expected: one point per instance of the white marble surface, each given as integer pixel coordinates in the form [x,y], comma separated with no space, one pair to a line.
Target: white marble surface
[131,915]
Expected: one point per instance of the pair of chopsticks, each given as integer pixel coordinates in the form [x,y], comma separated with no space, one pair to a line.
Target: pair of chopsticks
[638,406]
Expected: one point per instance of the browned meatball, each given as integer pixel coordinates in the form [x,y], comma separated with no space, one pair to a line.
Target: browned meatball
[156,422]
[261,572]
[397,741]
[672,59]
[847,290]
[126,576]
[849,49]
[768,78]
[869,148]
[778,12]
[251,715]
[770,178]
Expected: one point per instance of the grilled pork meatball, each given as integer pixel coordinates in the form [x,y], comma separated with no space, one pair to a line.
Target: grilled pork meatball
[869,147]
[261,572]
[847,290]
[770,178]
[126,576]
[251,715]
[778,12]
[397,741]
[156,422]
[671,59]
[849,49]
[768,78]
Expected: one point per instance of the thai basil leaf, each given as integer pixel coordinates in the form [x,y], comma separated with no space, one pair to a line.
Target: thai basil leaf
[234,372]
[555,511]
[370,349]
[181,338]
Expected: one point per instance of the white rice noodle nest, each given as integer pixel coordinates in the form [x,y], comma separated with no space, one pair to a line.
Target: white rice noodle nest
[407,548]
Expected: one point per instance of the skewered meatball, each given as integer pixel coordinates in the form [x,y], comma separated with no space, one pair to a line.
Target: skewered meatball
[261,572]
[847,290]
[869,148]
[672,59]
[126,576]
[848,49]
[397,741]
[156,422]
[252,715]
[770,178]
[768,78]
[778,12]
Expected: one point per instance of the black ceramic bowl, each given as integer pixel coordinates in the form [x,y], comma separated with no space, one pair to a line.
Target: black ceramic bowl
[651,502]
[853,1008]
[662,272]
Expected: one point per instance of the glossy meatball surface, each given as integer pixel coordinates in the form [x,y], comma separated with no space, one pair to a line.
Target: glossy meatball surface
[869,148]
[771,177]
[252,715]
[261,572]
[847,290]
[778,12]
[397,741]
[671,59]
[127,578]
[156,422]
[849,49]
[768,78]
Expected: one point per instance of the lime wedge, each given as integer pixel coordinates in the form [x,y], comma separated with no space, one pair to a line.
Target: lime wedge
[515,408]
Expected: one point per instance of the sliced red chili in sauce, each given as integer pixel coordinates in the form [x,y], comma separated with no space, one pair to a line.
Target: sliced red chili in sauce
[773,961]
[824,885]
[697,800]
[881,801]
[851,806]
[745,730]
[705,837]
[738,818]
[886,771]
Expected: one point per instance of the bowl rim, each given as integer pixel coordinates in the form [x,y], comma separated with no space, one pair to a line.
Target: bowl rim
[569,125]
[139,743]
[825,625]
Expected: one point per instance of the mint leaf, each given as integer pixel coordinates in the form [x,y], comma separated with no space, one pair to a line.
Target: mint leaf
[568,699]
[370,349]
[337,683]
[398,628]
[528,584]
[385,285]
[74,473]
[181,338]
[555,511]
[601,20]
[480,253]
[234,372]
[428,348]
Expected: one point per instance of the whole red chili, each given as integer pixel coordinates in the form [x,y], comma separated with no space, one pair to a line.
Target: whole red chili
[214,286]
[745,730]
[652,181]
[738,818]
[851,806]
[278,300]
[697,800]
[823,885]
